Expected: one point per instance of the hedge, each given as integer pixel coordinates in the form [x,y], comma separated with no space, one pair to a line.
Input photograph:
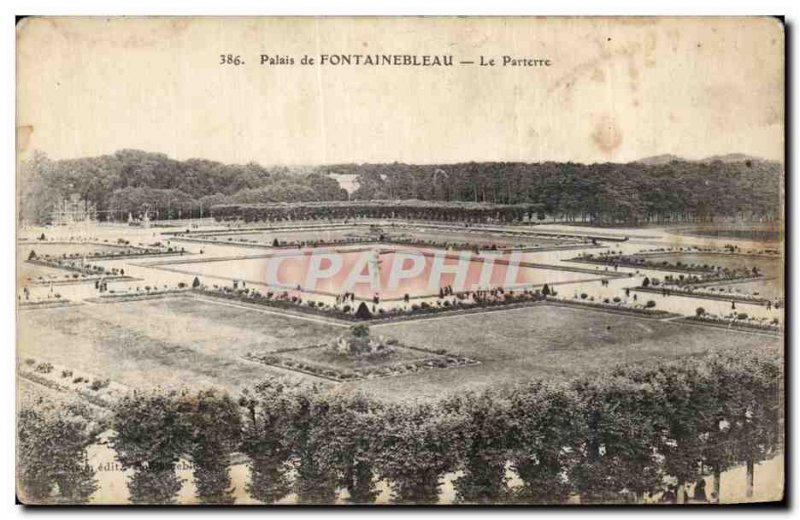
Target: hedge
[406,209]
[616,436]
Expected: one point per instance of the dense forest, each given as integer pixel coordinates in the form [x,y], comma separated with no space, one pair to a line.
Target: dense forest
[132,181]
[627,193]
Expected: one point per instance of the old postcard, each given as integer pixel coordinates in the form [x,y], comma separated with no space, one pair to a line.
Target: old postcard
[504,260]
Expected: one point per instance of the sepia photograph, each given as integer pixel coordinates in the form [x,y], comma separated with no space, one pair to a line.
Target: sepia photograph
[494,261]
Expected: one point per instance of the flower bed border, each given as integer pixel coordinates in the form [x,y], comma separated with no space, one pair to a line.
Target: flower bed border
[338,314]
[688,294]
[672,269]
[143,250]
[46,304]
[617,309]
[721,323]
[50,380]
[141,295]
[388,241]
[432,311]
[340,375]
[608,261]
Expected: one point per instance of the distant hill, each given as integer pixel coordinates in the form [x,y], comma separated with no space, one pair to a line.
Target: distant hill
[731,158]
[727,158]
[660,159]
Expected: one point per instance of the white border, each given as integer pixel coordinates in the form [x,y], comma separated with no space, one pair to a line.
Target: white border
[791,9]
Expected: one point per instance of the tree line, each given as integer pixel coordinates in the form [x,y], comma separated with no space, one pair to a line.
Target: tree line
[630,193]
[610,437]
[405,209]
[134,181]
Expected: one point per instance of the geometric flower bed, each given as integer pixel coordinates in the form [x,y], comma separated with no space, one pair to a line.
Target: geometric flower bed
[100,392]
[340,360]
[698,273]
[737,321]
[708,293]
[252,296]
[385,240]
[618,307]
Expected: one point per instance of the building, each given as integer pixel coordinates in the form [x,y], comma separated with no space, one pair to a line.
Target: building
[73,209]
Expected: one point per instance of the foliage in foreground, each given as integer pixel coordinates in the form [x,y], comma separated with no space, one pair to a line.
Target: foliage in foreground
[616,436]
[52,461]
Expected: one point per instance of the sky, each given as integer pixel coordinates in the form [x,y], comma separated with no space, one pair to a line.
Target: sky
[616,89]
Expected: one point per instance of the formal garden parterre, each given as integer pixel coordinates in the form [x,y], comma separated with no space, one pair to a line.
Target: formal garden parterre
[431,367]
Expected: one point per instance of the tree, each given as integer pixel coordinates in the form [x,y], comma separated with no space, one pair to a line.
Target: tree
[545,432]
[487,436]
[215,426]
[745,426]
[38,193]
[363,312]
[151,434]
[646,282]
[195,283]
[601,193]
[621,419]
[265,439]
[685,408]
[51,454]
[309,433]
[760,425]
[420,444]
[351,442]
[546,290]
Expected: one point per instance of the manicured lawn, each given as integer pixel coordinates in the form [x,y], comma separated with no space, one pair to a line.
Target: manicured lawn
[29,273]
[546,342]
[168,342]
[322,356]
[770,267]
[57,249]
[768,289]
[484,239]
[266,237]
[183,341]
[766,232]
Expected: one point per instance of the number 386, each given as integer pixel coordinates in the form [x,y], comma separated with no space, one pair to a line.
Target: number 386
[230,59]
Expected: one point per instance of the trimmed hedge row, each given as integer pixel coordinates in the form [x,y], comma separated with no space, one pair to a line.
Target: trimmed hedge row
[613,437]
[405,209]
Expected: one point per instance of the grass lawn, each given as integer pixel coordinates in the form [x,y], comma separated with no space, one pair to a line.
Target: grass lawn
[56,249]
[168,342]
[485,239]
[766,232]
[266,237]
[771,267]
[32,273]
[320,355]
[546,342]
[184,341]
[768,289]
